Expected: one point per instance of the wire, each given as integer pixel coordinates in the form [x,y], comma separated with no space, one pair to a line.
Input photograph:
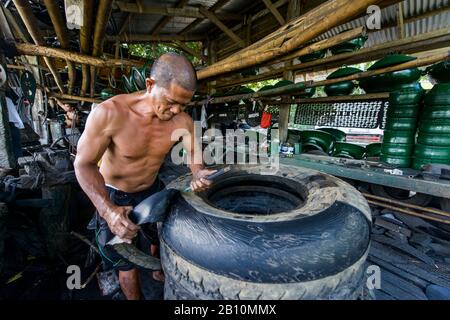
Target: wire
[102,253]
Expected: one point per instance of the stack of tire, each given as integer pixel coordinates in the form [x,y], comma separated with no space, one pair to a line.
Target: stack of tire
[433,140]
[400,130]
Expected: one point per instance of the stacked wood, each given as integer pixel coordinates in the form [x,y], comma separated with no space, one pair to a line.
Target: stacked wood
[411,44]
[291,36]
[422,61]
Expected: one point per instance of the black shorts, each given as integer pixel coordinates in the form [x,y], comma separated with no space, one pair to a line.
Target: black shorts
[148,233]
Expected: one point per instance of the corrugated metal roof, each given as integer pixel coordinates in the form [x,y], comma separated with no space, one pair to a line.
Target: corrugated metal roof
[144,23]
[411,9]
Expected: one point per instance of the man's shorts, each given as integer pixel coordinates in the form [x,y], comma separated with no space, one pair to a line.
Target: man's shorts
[111,259]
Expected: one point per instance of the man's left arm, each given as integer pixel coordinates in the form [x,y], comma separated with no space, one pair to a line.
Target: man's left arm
[193,147]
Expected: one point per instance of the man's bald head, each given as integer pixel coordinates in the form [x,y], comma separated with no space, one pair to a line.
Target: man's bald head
[174,67]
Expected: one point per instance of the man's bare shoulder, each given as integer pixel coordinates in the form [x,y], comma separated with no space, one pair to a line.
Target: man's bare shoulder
[183,120]
[116,107]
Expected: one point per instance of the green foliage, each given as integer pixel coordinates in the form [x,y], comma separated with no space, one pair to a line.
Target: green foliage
[156,49]
[258,85]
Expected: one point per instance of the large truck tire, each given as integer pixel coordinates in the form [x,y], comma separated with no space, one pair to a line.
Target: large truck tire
[293,234]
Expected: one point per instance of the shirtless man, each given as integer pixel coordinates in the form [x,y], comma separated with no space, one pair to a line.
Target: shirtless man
[131,134]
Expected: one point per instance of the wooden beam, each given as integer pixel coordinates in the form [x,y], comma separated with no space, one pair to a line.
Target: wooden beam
[189,12]
[294,9]
[275,12]
[125,24]
[75,98]
[188,50]
[215,19]
[25,66]
[359,97]
[85,41]
[31,23]
[301,30]
[219,4]
[415,18]
[103,14]
[165,20]
[34,50]
[62,35]
[125,38]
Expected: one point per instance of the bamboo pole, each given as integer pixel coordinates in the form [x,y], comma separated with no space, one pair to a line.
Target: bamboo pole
[407,211]
[411,44]
[323,44]
[31,23]
[359,97]
[61,33]
[34,50]
[299,25]
[337,12]
[85,41]
[407,205]
[419,62]
[103,14]
[75,98]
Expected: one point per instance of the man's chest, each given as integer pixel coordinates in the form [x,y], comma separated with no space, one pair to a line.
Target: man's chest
[143,141]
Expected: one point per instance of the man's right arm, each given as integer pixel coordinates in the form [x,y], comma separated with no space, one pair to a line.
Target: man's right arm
[91,147]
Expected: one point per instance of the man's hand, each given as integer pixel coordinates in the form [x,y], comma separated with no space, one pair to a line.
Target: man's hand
[199,181]
[120,224]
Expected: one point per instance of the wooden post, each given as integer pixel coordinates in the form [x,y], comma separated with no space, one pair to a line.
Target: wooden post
[7,157]
[103,14]
[31,23]
[275,12]
[400,24]
[285,108]
[308,27]
[3,221]
[248,31]
[212,58]
[85,41]
[61,33]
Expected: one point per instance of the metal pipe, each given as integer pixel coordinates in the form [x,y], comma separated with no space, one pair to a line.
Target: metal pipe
[406,211]
[407,205]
